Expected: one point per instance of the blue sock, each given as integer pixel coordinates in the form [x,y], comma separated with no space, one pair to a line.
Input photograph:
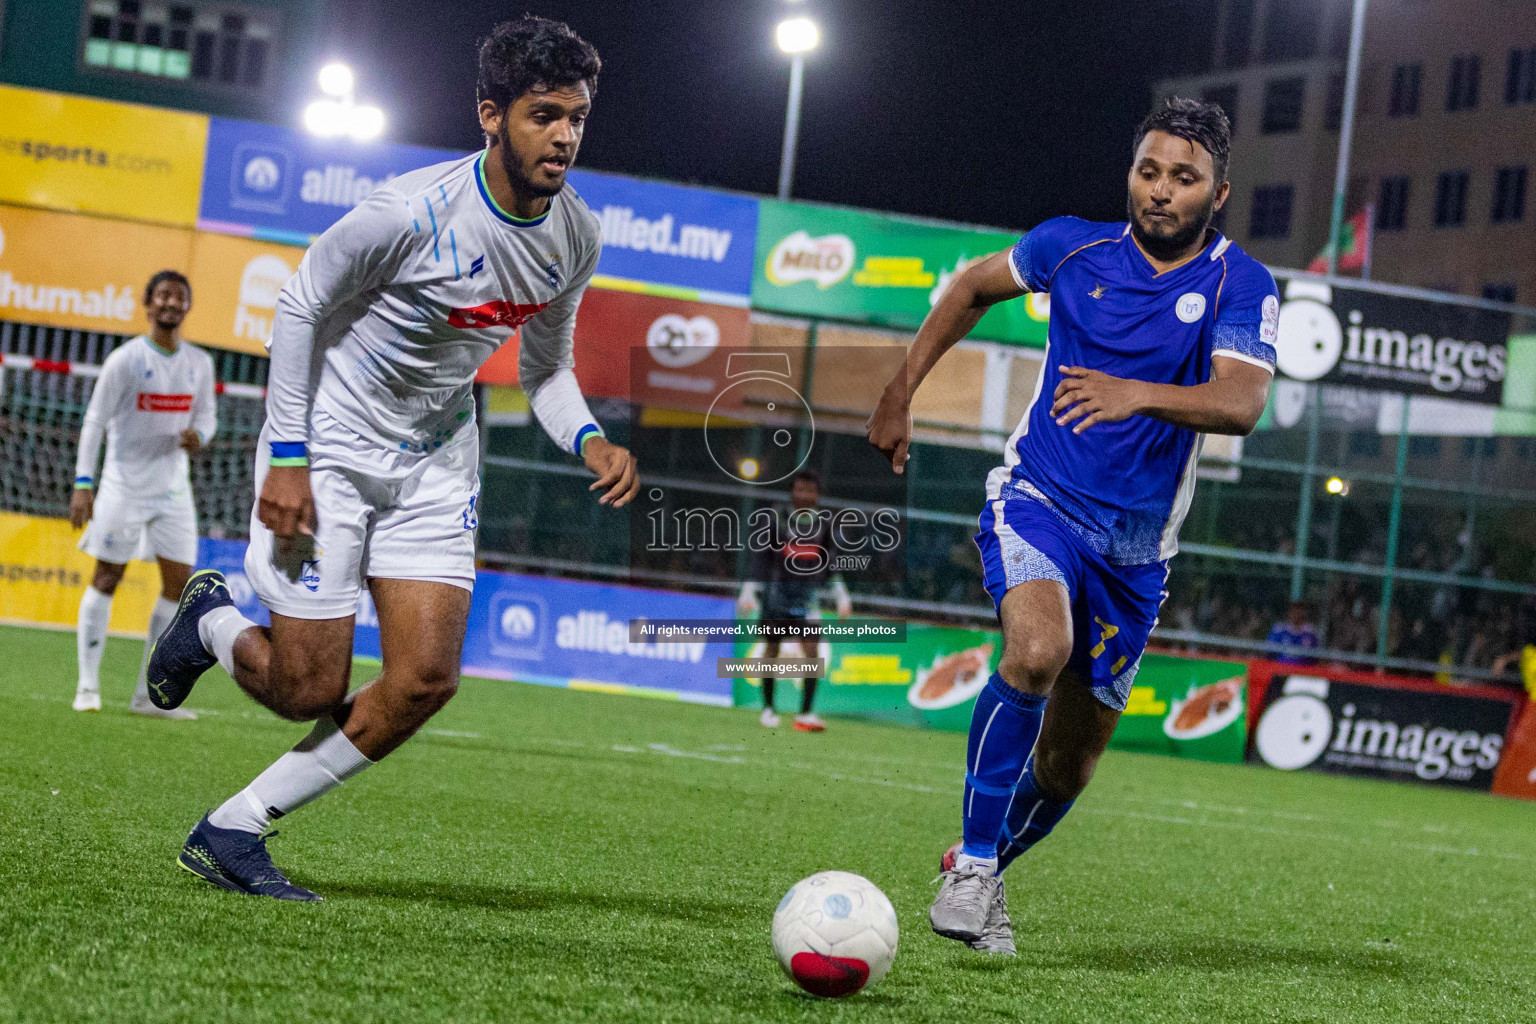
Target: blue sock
[1003,731]
[1029,819]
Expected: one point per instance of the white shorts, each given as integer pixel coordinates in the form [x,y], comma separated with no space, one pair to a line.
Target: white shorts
[382,514]
[121,531]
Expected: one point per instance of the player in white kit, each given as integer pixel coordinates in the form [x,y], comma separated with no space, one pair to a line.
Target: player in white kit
[368,463]
[154,404]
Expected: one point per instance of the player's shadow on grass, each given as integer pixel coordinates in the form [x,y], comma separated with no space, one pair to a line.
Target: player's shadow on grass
[1215,957]
[520,900]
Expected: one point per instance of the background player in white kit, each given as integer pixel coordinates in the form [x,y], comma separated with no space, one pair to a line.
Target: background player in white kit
[154,404]
[368,463]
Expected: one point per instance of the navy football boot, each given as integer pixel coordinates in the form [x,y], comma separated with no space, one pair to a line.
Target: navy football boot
[179,656]
[238,861]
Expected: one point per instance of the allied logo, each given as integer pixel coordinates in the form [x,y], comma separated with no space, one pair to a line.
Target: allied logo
[499,313]
[799,257]
[518,621]
[259,178]
[1190,307]
[676,341]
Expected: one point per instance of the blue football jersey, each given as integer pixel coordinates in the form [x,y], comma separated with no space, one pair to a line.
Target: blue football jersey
[1124,488]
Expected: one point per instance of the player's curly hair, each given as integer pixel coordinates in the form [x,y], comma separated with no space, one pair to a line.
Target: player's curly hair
[167,275]
[533,53]
[1193,121]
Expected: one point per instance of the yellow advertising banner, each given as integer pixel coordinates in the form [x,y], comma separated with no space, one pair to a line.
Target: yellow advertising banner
[235,282]
[94,156]
[68,270]
[43,574]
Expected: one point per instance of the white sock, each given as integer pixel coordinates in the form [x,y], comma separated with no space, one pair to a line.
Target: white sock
[91,636]
[218,631]
[160,618]
[322,761]
[983,865]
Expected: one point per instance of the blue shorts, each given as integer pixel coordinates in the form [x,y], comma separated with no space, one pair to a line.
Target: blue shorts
[1114,607]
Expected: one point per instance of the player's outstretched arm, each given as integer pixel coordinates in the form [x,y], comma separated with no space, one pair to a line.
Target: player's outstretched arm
[968,296]
[1231,402]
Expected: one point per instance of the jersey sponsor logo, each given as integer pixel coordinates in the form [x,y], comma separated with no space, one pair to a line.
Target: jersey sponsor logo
[1190,307]
[500,313]
[151,402]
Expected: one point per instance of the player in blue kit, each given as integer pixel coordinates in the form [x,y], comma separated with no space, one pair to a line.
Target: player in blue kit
[1160,330]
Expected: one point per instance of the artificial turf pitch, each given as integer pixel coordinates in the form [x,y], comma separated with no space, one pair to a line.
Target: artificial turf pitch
[548,855]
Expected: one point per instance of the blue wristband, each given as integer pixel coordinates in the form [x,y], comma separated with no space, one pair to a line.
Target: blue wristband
[289,453]
[587,432]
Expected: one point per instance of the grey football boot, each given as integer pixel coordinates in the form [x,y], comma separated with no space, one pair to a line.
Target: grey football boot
[965,898]
[997,935]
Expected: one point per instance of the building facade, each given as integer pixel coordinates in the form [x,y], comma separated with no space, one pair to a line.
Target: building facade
[254,59]
[1444,145]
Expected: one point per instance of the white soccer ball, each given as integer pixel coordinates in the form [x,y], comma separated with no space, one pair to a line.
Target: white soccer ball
[835,933]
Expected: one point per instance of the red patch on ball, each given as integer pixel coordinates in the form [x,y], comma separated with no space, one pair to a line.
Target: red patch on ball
[828,976]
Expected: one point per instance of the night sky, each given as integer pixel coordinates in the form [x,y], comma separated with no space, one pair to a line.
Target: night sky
[1005,116]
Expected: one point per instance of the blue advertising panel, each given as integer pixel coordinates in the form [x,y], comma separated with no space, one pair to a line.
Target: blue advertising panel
[286,186]
[539,629]
[700,242]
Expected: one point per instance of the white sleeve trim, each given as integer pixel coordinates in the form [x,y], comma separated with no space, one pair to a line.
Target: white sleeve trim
[1240,357]
[1014,270]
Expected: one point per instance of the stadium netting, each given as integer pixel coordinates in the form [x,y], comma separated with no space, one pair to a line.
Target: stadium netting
[41,410]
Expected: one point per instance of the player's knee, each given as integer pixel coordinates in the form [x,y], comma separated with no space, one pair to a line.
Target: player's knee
[106,578]
[306,694]
[1032,663]
[431,687]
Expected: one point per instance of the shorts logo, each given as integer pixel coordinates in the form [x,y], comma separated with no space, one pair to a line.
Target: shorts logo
[309,574]
[500,313]
[1190,307]
[151,402]
[471,516]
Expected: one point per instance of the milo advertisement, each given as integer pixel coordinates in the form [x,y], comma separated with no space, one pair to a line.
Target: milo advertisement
[1182,706]
[877,269]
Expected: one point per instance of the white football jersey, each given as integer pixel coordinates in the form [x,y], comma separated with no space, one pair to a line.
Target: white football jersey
[397,305]
[143,400]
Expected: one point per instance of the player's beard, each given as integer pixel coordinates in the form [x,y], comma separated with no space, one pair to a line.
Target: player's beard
[511,162]
[1171,247]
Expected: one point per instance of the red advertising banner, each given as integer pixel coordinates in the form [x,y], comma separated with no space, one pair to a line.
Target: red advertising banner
[1517,772]
[684,345]
[1385,727]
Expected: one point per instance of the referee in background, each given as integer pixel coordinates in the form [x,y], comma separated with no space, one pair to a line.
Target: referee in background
[790,576]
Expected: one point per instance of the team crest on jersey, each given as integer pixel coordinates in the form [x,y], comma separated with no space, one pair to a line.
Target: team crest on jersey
[1190,307]
[500,313]
[552,270]
[1098,291]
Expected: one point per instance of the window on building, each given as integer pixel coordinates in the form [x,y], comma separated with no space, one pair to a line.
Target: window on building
[1291,29]
[1235,44]
[1451,199]
[1283,101]
[1271,214]
[1333,117]
[1225,97]
[211,43]
[1422,447]
[1486,447]
[1364,444]
[1508,195]
[1338,31]
[1404,101]
[1462,86]
[1392,204]
[1520,79]
[1499,292]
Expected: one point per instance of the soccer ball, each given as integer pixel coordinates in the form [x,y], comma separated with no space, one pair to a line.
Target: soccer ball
[834,933]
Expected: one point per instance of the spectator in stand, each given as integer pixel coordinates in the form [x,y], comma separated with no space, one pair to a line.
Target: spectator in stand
[1295,632]
[1523,661]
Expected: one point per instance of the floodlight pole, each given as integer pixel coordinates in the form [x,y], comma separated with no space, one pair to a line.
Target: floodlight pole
[792,125]
[1346,130]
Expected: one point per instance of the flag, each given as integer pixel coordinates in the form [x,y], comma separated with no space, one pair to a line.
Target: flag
[1354,246]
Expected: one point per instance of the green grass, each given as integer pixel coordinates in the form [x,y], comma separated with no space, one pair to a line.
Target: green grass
[545,855]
